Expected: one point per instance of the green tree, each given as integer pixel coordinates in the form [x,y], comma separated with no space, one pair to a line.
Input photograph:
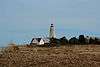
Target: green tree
[63,41]
[82,39]
[74,40]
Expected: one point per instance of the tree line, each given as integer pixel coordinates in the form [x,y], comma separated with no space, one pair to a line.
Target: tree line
[81,40]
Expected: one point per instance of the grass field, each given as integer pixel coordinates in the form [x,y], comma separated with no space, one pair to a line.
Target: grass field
[63,56]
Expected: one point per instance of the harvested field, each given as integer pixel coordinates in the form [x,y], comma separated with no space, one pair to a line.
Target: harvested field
[63,56]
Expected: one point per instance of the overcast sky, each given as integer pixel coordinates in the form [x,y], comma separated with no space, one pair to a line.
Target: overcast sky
[24,17]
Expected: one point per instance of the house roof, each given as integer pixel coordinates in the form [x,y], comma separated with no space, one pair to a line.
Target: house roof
[38,39]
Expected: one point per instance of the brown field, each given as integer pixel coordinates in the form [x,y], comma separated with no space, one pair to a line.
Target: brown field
[63,56]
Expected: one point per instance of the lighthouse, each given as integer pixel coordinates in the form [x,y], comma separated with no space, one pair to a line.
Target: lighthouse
[52,32]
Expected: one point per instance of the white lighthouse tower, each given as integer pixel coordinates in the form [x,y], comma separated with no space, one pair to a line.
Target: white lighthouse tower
[52,32]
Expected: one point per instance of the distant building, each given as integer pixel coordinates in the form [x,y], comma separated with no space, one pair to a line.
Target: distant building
[37,41]
[34,41]
[52,32]
[40,41]
[87,39]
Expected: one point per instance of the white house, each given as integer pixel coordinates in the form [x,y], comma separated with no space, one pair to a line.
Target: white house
[34,41]
[87,38]
[40,41]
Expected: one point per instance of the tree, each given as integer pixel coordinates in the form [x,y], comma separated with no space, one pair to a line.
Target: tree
[53,42]
[97,40]
[92,41]
[63,41]
[81,39]
[74,40]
